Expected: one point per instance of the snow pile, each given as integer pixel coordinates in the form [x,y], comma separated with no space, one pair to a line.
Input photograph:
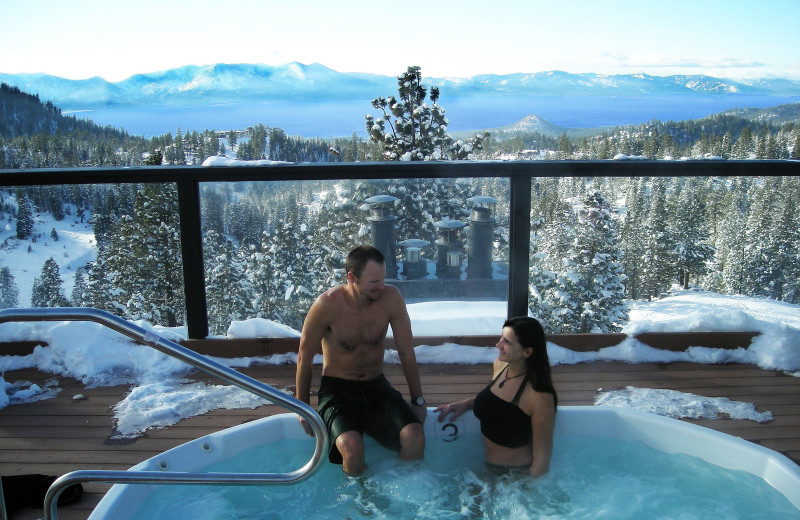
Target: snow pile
[217,160]
[260,328]
[680,405]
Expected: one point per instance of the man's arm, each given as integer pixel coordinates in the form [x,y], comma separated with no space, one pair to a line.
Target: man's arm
[403,342]
[314,329]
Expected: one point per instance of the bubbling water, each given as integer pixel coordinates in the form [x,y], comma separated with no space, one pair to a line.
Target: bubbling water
[589,478]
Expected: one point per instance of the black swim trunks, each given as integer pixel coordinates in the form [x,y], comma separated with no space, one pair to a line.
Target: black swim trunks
[371,407]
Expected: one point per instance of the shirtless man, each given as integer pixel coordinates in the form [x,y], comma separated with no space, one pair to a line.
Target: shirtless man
[349,322]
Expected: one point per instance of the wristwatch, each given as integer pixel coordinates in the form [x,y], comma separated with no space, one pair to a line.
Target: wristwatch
[419,401]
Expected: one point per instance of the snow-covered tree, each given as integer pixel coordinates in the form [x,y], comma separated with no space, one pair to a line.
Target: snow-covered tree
[413,130]
[690,233]
[296,273]
[48,289]
[79,289]
[633,237]
[772,239]
[583,290]
[594,269]
[144,259]
[228,291]
[658,261]
[729,271]
[24,217]
[9,293]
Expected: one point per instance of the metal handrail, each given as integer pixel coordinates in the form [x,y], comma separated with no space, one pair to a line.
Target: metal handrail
[201,362]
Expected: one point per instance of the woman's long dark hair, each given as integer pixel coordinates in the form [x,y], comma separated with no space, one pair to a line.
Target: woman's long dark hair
[530,334]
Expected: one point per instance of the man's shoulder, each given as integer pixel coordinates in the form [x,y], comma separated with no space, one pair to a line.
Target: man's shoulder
[332,295]
[392,295]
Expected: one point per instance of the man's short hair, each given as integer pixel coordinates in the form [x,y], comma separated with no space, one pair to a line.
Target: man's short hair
[357,259]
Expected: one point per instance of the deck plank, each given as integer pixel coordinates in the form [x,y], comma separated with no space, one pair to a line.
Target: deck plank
[63,434]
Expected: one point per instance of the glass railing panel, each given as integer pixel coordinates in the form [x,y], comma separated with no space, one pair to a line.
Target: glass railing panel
[597,243]
[114,247]
[270,248]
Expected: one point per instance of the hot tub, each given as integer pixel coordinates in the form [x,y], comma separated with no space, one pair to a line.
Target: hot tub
[574,425]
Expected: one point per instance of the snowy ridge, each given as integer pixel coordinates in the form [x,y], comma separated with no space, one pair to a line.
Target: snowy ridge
[234,83]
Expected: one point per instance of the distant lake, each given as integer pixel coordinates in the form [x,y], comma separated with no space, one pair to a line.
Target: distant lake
[342,118]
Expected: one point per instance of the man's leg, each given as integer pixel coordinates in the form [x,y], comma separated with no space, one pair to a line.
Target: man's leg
[412,442]
[351,445]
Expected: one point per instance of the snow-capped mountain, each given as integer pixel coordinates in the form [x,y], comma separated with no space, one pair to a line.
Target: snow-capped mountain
[224,83]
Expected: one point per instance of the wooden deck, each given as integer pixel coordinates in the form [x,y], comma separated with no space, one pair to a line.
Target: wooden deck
[59,435]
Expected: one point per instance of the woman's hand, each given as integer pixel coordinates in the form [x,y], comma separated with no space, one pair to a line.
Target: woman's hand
[454,409]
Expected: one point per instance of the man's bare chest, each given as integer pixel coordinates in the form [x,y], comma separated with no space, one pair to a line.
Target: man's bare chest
[354,331]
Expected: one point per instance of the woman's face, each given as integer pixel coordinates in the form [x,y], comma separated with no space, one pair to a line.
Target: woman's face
[510,349]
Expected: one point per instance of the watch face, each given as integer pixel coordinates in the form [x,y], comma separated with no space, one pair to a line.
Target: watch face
[419,401]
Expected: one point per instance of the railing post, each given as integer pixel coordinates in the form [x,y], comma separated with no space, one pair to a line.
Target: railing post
[519,244]
[194,284]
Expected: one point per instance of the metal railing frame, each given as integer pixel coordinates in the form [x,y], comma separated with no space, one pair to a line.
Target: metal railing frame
[209,366]
[519,173]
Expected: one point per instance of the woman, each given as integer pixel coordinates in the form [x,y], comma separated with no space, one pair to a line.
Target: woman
[517,410]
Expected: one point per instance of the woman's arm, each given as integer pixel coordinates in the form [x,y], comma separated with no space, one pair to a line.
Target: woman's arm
[543,421]
[456,409]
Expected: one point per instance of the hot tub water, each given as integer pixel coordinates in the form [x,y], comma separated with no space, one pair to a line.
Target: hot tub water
[590,478]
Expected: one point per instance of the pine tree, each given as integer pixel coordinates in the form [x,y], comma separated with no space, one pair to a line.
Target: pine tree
[9,293]
[658,261]
[551,293]
[416,131]
[693,250]
[144,259]
[227,288]
[48,289]
[99,293]
[213,211]
[24,217]
[760,249]
[729,261]
[772,240]
[598,273]
[633,238]
[79,289]
[296,272]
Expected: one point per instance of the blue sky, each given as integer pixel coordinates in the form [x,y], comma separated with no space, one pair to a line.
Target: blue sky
[116,39]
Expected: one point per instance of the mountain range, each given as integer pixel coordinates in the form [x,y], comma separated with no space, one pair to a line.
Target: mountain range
[237,83]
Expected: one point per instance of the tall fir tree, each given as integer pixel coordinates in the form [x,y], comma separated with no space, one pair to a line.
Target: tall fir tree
[9,292]
[144,258]
[658,261]
[633,237]
[24,216]
[728,274]
[48,289]
[228,291]
[597,274]
[693,251]
[79,289]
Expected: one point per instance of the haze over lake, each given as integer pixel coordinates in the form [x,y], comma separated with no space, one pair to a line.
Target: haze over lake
[342,118]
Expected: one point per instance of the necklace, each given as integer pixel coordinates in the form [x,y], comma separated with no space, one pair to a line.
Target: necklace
[500,385]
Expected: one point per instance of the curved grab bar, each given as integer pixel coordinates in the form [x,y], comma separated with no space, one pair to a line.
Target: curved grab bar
[199,361]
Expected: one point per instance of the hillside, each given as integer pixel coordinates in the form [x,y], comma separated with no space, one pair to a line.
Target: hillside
[24,114]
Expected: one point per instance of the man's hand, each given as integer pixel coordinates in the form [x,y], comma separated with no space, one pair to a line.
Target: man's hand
[420,411]
[306,426]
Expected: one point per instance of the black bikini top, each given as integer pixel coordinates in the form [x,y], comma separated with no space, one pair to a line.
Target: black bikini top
[502,422]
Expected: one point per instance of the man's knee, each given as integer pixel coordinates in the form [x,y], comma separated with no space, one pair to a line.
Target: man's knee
[351,445]
[412,442]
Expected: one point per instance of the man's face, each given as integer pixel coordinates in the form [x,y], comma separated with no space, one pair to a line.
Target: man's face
[370,283]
